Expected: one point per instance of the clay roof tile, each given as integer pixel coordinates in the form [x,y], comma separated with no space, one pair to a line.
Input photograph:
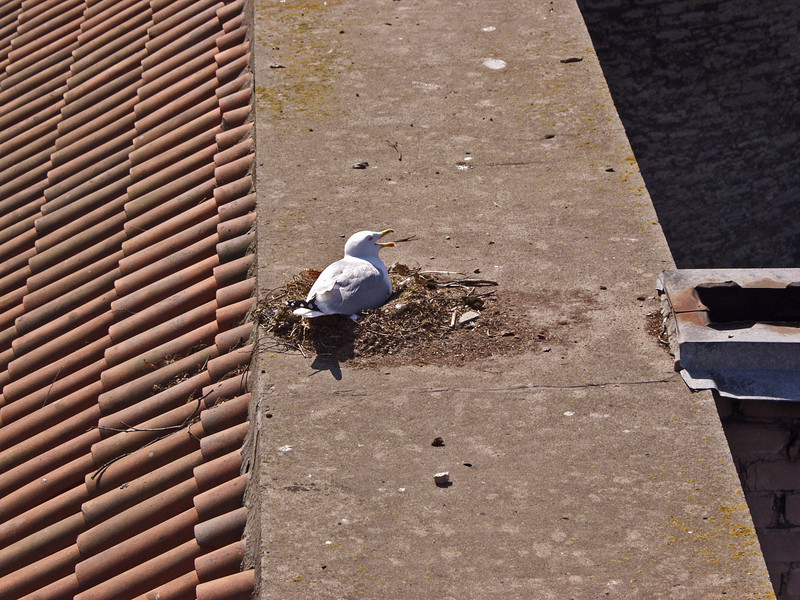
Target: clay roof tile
[47,460]
[219,470]
[34,439]
[237,586]
[131,551]
[218,444]
[220,563]
[221,530]
[138,477]
[144,576]
[46,570]
[126,209]
[44,487]
[182,588]
[66,587]
[41,543]
[42,515]
[16,429]
[123,524]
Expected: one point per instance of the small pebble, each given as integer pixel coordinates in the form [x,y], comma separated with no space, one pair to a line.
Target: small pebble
[442,479]
[437,442]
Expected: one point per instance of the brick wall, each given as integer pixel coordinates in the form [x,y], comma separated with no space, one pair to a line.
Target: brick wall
[764,438]
[707,91]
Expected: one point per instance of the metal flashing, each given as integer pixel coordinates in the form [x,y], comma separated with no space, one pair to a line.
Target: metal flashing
[735,331]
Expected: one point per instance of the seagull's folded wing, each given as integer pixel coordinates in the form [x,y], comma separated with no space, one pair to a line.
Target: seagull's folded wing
[335,274]
[347,287]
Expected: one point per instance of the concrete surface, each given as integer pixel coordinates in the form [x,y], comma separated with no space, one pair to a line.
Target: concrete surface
[594,471]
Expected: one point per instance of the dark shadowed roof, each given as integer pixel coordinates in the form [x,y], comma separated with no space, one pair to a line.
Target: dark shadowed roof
[126,206]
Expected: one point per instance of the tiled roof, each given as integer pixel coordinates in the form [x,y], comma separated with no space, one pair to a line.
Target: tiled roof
[126,206]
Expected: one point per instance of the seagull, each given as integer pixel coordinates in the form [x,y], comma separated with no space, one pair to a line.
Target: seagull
[357,282]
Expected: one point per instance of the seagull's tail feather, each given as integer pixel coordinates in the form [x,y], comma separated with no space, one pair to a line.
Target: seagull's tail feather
[307,313]
[305,308]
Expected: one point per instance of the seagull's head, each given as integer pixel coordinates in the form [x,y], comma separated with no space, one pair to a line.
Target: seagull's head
[366,243]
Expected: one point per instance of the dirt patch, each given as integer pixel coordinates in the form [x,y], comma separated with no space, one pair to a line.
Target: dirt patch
[430,319]
[656,327]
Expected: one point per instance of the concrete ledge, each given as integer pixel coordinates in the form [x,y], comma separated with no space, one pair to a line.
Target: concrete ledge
[580,468]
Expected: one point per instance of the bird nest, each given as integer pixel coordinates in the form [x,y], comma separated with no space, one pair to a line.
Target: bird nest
[431,318]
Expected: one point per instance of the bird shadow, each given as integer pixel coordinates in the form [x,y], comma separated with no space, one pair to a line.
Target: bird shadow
[333,338]
[327,363]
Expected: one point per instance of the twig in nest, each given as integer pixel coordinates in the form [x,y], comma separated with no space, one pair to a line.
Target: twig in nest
[394,335]
[468,282]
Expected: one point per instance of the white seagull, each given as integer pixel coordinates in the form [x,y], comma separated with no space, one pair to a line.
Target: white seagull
[357,282]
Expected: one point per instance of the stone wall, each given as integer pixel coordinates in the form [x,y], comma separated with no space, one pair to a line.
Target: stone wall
[707,91]
[764,439]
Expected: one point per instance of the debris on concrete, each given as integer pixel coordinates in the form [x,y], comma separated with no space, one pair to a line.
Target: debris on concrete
[442,479]
[468,317]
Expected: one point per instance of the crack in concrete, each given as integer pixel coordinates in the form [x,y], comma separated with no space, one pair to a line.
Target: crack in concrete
[528,387]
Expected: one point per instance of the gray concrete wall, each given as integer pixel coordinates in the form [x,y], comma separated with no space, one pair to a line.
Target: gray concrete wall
[764,438]
[708,93]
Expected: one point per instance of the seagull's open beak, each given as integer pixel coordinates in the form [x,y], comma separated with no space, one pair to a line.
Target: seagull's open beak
[385,244]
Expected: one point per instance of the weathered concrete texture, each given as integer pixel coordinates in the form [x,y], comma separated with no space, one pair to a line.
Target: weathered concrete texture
[763,438]
[579,468]
[708,95]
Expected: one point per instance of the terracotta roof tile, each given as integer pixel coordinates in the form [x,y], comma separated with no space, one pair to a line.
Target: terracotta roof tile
[215,472]
[220,563]
[44,487]
[116,491]
[221,530]
[126,217]
[47,460]
[16,429]
[49,440]
[223,442]
[49,384]
[145,575]
[63,588]
[188,389]
[233,587]
[43,515]
[40,544]
[219,500]
[182,588]
[125,524]
[41,315]
[52,567]
[132,550]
